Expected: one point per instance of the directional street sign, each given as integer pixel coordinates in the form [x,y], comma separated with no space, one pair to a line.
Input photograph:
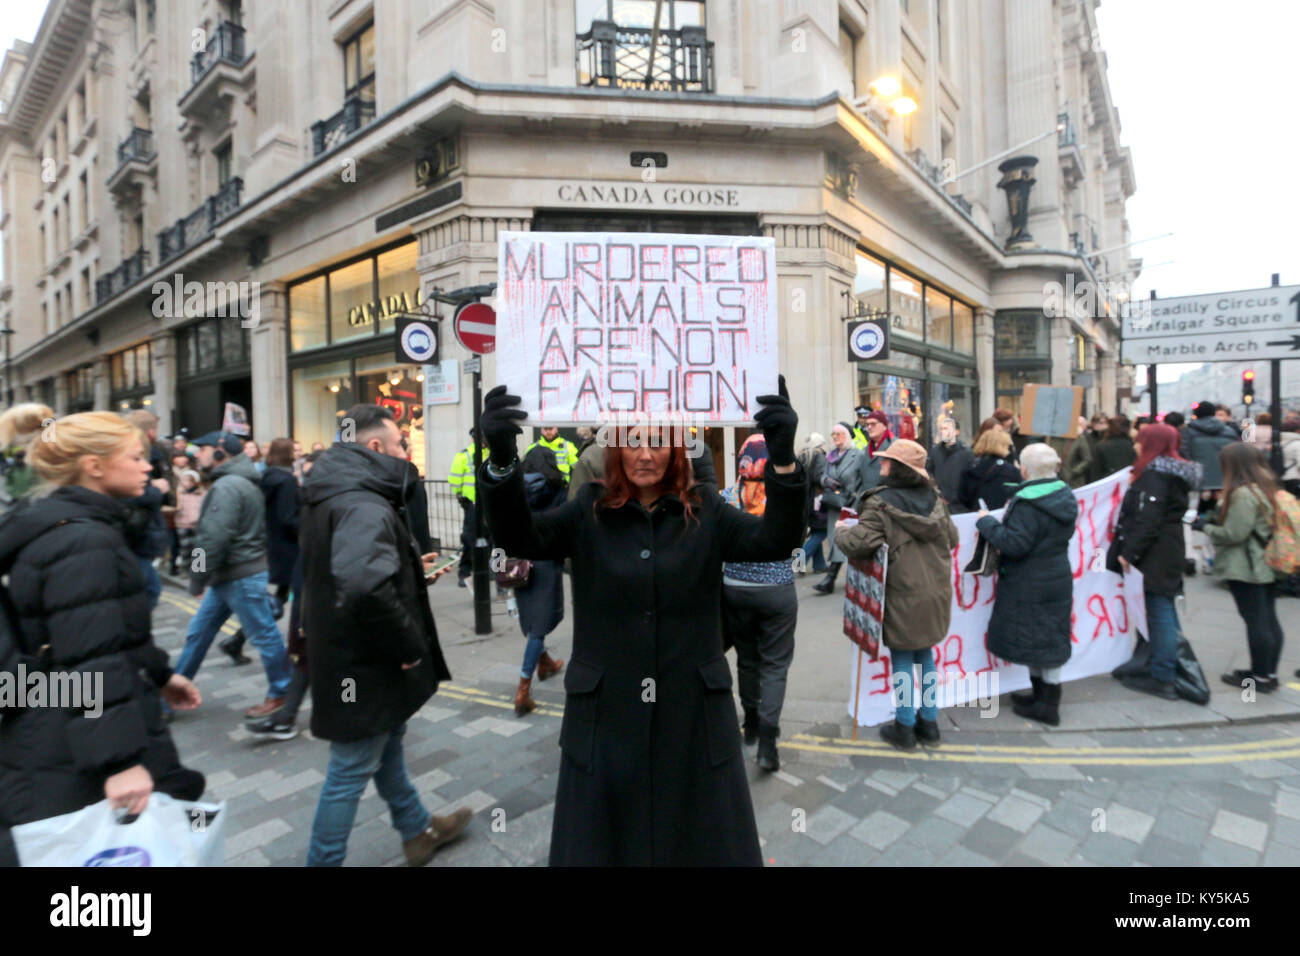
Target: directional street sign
[1219,327]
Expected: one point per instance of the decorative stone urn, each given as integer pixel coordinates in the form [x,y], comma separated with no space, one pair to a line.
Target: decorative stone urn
[1017,180]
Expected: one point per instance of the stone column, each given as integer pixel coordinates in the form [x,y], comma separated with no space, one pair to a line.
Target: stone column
[268,352]
[1107,384]
[102,384]
[984,368]
[1061,336]
[60,394]
[163,348]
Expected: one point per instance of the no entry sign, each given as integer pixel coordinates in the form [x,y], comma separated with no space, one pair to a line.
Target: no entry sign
[476,327]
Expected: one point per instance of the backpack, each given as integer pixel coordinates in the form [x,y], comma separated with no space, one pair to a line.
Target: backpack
[1283,551]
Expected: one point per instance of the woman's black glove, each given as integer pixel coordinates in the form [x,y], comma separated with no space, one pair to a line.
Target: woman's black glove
[498,425]
[1198,524]
[778,423]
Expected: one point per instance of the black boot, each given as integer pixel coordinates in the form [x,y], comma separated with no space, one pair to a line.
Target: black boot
[927,731]
[827,584]
[767,755]
[233,647]
[1047,708]
[750,727]
[900,735]
[1031,695]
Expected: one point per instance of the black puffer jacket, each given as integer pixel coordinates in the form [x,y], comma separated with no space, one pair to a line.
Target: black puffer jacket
[283,499]
[1030,624]
[76,586]
[1110,455]
[990,478]
[365,608]
[946,466]
[1203,439]
[1149,532]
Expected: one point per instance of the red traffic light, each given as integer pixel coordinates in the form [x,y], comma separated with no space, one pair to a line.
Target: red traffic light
[1248,376]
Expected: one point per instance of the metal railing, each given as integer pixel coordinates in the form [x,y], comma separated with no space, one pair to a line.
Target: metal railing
[445,515]
[328,133]
[137,146]
[641,58]
[227,44]
[127,273]
[199,224]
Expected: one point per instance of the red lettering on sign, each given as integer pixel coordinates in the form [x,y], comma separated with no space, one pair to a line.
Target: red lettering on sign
[1101,614]
[958,585]
[1123,606]
[1074,619]
[882,677]
[948,657]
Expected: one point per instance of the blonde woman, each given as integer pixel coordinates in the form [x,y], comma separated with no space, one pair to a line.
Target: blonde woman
[81,609]
[18,426]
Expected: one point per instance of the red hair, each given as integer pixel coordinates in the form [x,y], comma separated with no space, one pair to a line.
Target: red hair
[1156,440]
[678,480]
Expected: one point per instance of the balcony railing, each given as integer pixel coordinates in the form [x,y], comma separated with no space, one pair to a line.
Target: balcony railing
[137,146]
[938,176]
[128,272]
[640,58]
[192,229]
[328,133]
[226,45]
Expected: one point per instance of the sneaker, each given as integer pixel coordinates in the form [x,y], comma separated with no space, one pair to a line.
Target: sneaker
[420,849]
[265,708]
[273,728]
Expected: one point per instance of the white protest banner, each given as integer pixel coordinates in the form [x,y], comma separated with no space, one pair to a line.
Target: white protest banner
[1109,610]
[628,327]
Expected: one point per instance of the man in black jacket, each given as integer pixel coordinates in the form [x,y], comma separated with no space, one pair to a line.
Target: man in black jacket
[146,528]
[372,648]
[948,459]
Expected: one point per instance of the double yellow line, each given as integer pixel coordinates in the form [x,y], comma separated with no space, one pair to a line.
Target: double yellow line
[190,606]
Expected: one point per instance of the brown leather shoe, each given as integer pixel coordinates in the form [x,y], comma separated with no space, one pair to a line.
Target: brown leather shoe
[419,850]
[523,699]
[547,667]
[265,708]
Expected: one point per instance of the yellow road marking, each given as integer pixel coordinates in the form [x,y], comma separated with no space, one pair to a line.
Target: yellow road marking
[545,710]
[942,755]
[192,608]
[864,746]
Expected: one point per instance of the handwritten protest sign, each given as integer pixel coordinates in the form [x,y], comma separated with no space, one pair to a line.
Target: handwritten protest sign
[603,327]
[1109,610]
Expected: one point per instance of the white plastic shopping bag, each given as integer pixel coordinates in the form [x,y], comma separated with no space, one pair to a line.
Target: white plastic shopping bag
[168,833]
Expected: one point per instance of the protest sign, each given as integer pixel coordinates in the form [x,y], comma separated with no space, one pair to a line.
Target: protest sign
[235,420]
[1109,610]
[627,327]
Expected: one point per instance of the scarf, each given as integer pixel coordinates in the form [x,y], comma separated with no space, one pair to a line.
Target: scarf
[873,445]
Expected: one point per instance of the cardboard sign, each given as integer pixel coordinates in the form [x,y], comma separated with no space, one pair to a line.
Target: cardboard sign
[235,420]
[1051,410]
[627,327]
[1109,611]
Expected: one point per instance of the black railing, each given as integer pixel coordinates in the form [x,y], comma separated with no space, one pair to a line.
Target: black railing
[137,146]
[640,58]
[1065,134]
[198,225]
[445,515]
[128,272]
[226,45]
[328,133]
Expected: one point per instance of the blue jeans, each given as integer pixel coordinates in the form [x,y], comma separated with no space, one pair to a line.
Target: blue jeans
[812,548]
[152,583]
[247,599]
[903,684]
[352,764]
[1162,625]
[532,654]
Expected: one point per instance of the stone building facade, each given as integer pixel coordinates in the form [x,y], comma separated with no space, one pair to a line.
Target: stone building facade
[209,201]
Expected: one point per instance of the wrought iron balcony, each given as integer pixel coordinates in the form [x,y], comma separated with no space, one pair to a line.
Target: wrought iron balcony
[137,146]
[128,272]
[641,58]
[226,46]
[328,133]
[190,230]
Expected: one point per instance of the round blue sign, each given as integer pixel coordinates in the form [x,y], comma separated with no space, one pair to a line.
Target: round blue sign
[418,342]
[867,341]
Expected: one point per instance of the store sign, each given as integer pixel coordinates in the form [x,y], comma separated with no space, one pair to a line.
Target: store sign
[417,340]
[649,194]
[442,383]
[868,340]
[385,308]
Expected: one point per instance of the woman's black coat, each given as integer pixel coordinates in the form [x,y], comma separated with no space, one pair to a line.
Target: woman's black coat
[1111,455]
[1149,532]
[541,601]
[989,477]
[283,499]
[652,770]
[1030,624]
[77,587]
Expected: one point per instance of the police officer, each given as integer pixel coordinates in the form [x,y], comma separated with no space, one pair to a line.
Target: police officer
[860,437]
[461,479]
[566,453]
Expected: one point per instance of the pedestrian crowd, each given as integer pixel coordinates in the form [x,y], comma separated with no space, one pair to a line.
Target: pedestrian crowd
[669,569]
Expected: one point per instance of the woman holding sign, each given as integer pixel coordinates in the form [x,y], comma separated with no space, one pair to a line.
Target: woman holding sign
[652,772]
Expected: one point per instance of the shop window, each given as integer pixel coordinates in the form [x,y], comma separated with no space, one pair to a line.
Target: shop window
[1020,335]
[399,283]
[956,402]
[869,293]
[307,315]
[963,328]
[206,345]
[321,393]
[397,388]
[352,288]
[905,306]
[938,318]
[231,334]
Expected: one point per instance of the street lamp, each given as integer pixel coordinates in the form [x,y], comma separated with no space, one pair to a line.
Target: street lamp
[886,88]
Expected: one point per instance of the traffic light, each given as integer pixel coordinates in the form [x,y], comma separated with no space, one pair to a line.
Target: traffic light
[1248,386]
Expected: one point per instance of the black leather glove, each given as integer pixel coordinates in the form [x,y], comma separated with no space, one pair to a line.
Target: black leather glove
[498,425]
[1199,523]
[778,423]
[464,504]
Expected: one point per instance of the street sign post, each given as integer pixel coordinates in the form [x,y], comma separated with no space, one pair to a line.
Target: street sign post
[1218,327]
